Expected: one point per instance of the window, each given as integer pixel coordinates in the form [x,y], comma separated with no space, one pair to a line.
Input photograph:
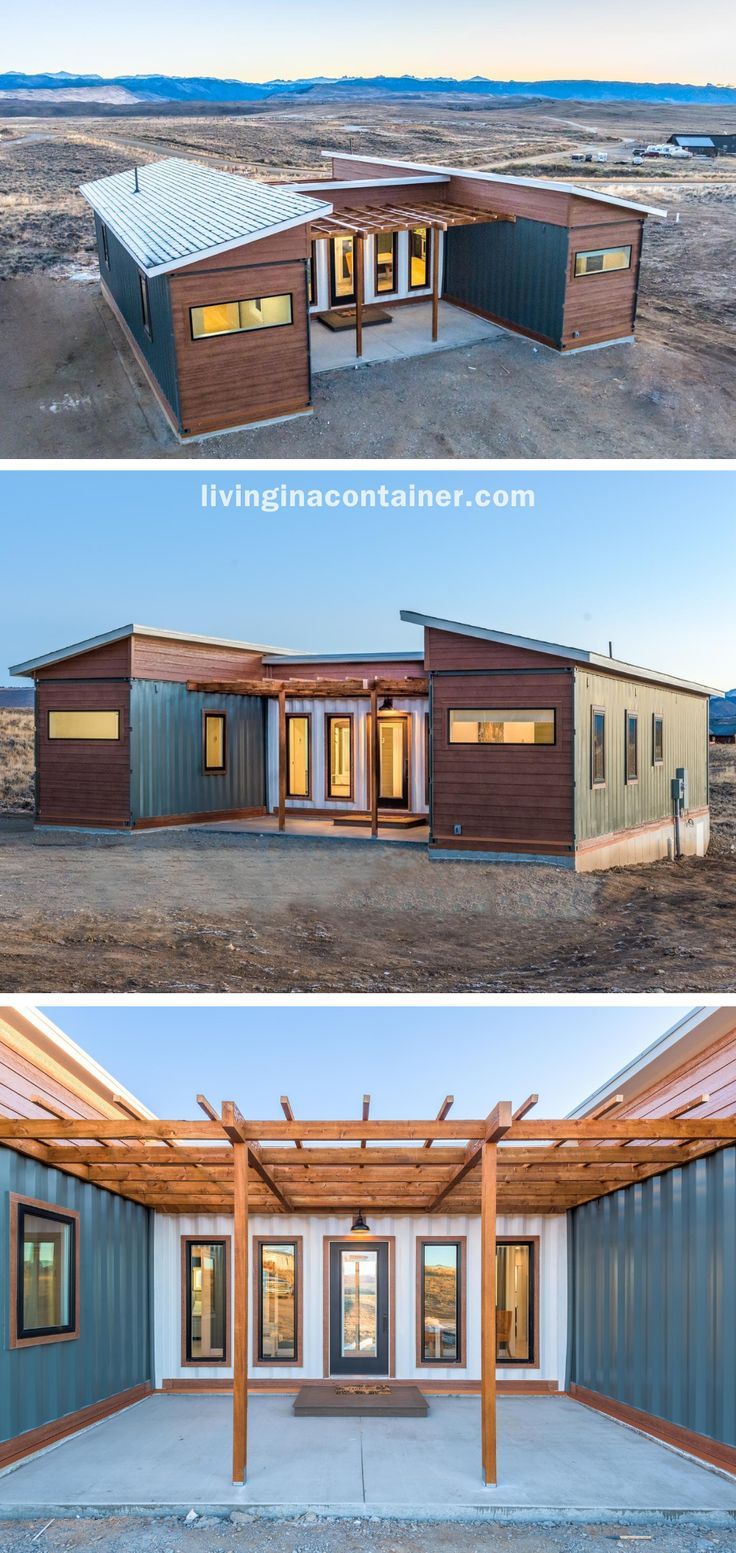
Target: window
[84,725]
[632,747]
[312,276]
[441,1301]
[205,1301]
[145,305]
[427,758]
[45,1255]
[105,246]
[657,739]
[507,725]
[420,249]
[278,1301]
[240,317]
[342,269]
[215,745]
[598,747]
[386,266]
[598,261]
[516,1316]
[298,774]
[339,757]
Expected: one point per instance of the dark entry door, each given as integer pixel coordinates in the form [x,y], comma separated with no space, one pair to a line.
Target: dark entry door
[359,1307]
[393,763]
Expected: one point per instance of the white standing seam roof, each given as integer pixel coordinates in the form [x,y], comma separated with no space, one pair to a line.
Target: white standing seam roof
[91,642]
[183,211]
[694,140]
[521,183]
[595,660]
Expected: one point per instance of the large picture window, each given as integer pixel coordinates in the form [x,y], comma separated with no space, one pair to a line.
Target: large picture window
[420,252]
[441,1301]
[84,725]
[278,1276]
[503,725]
[516,1302]
[45,1260]
[238,317]
[298,774]
[205,1301]
[599,261]
[598,747]
[632,747]
[339,757]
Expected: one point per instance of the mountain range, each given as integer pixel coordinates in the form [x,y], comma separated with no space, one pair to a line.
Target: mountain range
[64,86]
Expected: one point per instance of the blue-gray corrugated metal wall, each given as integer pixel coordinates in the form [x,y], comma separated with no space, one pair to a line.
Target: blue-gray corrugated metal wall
[167,760]
[113,1350]
[121,279]
[653,1296]
[515,270]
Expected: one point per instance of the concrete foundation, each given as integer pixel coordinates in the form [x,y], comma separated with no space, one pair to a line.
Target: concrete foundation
[649,844]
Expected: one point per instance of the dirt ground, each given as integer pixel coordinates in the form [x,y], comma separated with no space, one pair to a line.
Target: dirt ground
[74,390]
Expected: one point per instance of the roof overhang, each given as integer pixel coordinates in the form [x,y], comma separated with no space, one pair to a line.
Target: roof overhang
[688,1038]
[375,183]
[91,643]
[346,657]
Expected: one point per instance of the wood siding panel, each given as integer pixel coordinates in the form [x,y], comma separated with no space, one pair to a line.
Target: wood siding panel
[232,380]
[107,662]
[513,795]
[292,244]
[388,668]
[155,657]
[712,1072]
[448,650]
[601,307]
[86,781]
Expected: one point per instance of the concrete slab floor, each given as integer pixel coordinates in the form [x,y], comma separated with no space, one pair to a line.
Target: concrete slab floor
[556,1457]
[408,334]
[316,829]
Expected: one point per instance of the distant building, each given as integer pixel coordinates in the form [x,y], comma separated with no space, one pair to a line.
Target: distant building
[723,718]
[705,145]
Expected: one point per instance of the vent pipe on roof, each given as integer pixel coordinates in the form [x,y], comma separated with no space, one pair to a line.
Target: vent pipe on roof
[610,649]
[136,189]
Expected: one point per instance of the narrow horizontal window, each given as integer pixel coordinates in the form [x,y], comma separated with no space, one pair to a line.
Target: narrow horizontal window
[441,1276]
[278,1274]
[506,725]
[206,1303]
[598,261]
[239,317]
[632,747]
[215,753]
[84,725]
[515,1302]
[298,762]
[45,1272]
[598,747]
[657,739]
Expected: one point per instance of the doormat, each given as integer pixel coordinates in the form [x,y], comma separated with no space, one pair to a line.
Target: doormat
[338,318]
[355,1399]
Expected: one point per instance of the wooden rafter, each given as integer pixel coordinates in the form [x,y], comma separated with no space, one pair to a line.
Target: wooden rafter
[366,220]
[411,685]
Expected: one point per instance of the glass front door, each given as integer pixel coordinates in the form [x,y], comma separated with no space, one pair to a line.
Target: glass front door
[359,1308]
[393,763]
[342,270]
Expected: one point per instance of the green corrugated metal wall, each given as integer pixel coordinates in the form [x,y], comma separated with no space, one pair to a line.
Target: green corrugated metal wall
[122,281]
[618,805]
[515,270]
[166,752]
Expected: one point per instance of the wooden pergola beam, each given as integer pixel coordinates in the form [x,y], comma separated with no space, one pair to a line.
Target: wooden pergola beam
[410,685]
[240,1292]
[635,1129]
[488,1214]
[444,1110]
[526,1105]
[285,1104]
[364,1117]
[496,1126]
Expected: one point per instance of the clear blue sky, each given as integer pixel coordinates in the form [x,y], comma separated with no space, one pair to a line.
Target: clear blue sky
[655,40]
[326,1058]
[644,559]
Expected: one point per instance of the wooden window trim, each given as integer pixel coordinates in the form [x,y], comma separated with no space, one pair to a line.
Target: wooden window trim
[535,1242]
[657,717]
[471,706]
[394,287]
[17,1200]
[630,781]
[344,717]
[598,782]
[59,738]
[259,1241]
[365,1240]
[227,334]
[214,770]
[621,269]
[461,1241]
[307,717]
[205,1240]
[431,237]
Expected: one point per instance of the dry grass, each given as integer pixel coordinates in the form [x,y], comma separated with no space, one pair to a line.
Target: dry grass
[16,761]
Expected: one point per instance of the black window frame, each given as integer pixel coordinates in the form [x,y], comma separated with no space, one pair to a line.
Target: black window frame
[657,719]
[598,781]
[222,717]
[585,253]
[505,745]
[460,1244]
[431,238]
[145,304]
[535,1247]
[393,288]
[347,300]
[296,1241]
[56,1215]
[330,718]
[631,717]
[227,334]
[312,298]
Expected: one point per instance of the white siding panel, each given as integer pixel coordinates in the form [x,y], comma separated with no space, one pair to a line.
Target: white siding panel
[552,1275]
[321,707]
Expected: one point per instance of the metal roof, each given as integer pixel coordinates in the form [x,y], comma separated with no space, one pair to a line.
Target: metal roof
[183,211]
[120,632]
[693,140]
[595,660]
[522,183]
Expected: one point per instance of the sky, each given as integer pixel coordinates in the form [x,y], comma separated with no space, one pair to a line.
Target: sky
[641,559]
[654,40]
[327,1058]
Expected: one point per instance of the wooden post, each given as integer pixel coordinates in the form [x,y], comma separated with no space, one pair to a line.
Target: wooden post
[240,1312]
[488,1313]
[374,758]
[282,760]
[359,285]
[435,282]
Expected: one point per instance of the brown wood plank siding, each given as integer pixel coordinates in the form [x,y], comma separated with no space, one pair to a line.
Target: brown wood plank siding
[293,244]
[712,1073]
[515,797]
[447,650]
[154,657]
[538,204]
[101,663]
[601,307]
[85,781]
[387,669]
[19,1079]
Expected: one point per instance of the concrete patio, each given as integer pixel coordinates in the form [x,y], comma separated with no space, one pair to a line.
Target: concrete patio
[556,1459]
[317,829]
[408,334]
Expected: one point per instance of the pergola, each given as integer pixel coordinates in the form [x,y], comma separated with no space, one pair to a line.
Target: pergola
[279,690]
[503,1164]
[366,220]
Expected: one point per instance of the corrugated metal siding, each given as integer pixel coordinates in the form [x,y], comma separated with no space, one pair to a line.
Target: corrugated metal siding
[653,1294]
[407,1228]
[358,707]
[618,805]
[122,281]
[114,1348]
[167,763]
[514,270]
